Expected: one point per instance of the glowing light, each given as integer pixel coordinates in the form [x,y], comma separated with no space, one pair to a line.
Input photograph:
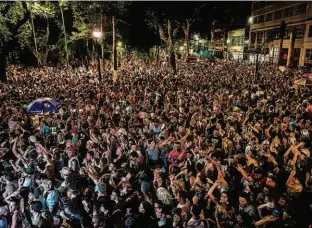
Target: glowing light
[97,34]
[250,20]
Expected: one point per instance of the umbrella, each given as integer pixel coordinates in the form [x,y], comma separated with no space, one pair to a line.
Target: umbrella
[45,104]
[303,82]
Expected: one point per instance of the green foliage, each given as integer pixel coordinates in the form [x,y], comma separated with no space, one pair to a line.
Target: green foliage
[10,14]
[29,22]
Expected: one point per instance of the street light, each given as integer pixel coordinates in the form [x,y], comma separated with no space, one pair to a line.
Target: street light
[250,20]
[119,43]
[98,35]
[228,41]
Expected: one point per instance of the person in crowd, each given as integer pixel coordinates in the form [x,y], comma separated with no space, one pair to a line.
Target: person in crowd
[152,149]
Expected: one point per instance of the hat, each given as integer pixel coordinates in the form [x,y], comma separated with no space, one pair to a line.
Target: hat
[145,186]
[28,171]
[37,192]
[158,170]
[66,171]
[306,152]
[276,119]
[33,139]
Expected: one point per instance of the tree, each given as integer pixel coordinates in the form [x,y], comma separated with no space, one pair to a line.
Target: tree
[95,15]
[186,25]
[167,30]
[62,4]
[186,31]
[35,37]
[12,16]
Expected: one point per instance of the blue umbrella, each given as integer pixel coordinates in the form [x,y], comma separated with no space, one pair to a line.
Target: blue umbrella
[45,104]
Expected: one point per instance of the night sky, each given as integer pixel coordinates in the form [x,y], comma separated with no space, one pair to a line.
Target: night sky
[231,15]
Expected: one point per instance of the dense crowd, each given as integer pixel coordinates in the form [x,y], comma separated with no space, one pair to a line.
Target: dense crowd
[207,147]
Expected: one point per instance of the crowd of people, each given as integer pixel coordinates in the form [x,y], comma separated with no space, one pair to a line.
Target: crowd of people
[211,146]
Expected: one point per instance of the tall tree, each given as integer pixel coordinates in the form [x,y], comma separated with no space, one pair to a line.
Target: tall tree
[62,4]
[188,21]
[36,37]
[12,16]
[167,30]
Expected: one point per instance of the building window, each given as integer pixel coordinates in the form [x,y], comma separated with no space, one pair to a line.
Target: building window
[259,36]
[278,14]
[269,17]
[308,55]
[301,8]
[261,19]
[310,31]
[255,20]
[287,33]
[276,34]
[300,31]
[289,12]
[252,38]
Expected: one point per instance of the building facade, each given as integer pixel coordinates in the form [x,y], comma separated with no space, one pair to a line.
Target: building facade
[235,44]
[285,31]
[217,41]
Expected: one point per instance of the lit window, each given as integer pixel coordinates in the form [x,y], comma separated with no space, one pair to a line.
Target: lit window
[287,33]
[300,31]
[259,36]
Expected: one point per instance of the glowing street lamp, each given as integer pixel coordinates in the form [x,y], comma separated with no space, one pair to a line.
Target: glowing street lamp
[228,41]
[119,43]
[97,34]
[250,20]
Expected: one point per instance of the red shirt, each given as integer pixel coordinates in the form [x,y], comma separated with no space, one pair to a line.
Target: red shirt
[173,157]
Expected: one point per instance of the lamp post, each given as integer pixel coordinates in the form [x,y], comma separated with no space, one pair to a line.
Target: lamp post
[97,35]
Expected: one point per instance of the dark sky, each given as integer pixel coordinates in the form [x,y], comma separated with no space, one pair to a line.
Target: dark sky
[231,14]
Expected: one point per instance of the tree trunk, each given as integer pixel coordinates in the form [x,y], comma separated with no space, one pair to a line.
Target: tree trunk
[157,54]
[187,49]
[114,45]
[65,36]
[35,40]
[103,38]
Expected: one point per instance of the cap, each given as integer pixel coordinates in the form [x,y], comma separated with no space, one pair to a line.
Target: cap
[306,152]
[277,119]
[33,139]
[28,170]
